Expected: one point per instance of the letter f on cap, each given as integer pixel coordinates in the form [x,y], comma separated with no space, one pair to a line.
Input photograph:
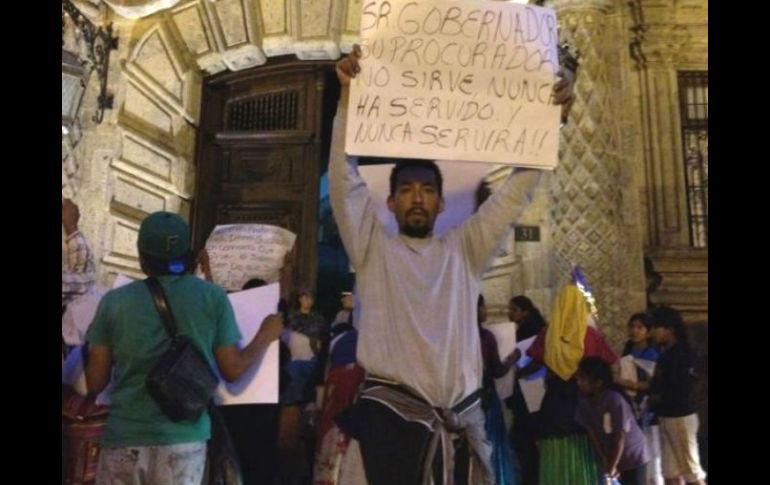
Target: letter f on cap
[171,241]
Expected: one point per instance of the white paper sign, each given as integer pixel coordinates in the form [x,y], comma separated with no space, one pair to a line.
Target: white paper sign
[628,365]
[456,80]
[523,346]
[533,385]
[78,317]
[240,252]
[533,389]
[260,383]
[628,368]
[646,365]
[80,313]
[505,334]
[121,280]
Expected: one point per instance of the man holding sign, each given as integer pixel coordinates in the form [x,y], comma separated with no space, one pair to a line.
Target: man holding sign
[461,80]
[418,339]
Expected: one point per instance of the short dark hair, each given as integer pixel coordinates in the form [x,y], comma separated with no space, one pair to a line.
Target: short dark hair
[299,293]
[596,369]
[666,317]
[407,163]
[533,313]
[642,318]
[254,283]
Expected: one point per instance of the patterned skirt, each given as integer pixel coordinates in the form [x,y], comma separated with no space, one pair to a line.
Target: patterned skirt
[568,460]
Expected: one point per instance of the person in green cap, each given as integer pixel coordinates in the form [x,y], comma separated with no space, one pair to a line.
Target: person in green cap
[140,445]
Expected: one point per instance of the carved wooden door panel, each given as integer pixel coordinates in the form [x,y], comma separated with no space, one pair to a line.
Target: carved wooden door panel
[259,154]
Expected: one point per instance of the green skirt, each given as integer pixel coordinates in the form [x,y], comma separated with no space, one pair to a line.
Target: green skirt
[568,461]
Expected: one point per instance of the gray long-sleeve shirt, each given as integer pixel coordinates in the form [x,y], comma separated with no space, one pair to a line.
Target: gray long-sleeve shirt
[418,296]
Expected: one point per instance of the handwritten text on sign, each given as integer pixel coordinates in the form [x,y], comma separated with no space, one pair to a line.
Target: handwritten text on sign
[457,80]
[240,252]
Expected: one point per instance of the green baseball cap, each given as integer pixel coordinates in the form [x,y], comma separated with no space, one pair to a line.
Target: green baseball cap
[164,235]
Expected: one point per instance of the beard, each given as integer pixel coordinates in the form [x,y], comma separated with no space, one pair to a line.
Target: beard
[418,232]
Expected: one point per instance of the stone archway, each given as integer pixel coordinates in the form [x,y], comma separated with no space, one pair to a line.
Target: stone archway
[140,159]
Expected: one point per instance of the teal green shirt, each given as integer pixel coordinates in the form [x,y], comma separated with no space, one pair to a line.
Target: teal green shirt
[128,322]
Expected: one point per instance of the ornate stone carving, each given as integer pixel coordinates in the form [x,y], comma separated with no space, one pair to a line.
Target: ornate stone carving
[585,191]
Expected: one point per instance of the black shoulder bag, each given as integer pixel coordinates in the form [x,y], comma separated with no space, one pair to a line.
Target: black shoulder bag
[182,382]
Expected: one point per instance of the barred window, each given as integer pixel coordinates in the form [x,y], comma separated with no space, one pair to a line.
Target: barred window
[694,108]
[263,112]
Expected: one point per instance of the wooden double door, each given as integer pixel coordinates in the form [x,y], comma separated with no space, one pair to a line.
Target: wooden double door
[262,146]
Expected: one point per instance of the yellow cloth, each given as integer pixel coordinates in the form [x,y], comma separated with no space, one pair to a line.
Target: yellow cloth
[566,332]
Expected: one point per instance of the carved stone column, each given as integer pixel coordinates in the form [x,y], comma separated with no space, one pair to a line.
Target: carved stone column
[586,191]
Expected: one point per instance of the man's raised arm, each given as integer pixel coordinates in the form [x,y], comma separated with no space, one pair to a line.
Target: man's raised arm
[353,210]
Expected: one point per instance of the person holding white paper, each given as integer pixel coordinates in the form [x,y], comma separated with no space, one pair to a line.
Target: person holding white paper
[563,446]
[127,336]
[672,392]
[529,322]
[417,340]
[639,351]
[78,275]
[304,337]
[639,347]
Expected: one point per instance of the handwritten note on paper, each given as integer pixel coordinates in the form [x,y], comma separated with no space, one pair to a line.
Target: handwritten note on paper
[260,383]
[456,80]
[240,252]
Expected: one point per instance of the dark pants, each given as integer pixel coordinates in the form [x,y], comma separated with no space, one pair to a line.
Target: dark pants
[634,476]
[524,438]
[393,450]
[253,429]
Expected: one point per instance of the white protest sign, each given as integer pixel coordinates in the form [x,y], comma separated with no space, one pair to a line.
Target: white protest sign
[456,80]
[533,385]
[240,252]
[461,181]
[505,335]
[79,315]
[260,382]
[628,365]
[121,280]
[533,390]
[523,346]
